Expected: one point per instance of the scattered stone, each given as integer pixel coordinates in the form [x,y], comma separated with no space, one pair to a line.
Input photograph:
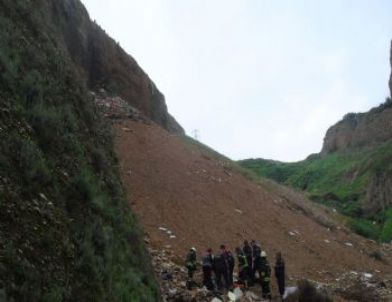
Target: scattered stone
[289,291]
[238,211]
[349,244]
[367,275]
[232,296]
[42,195]
[238,293]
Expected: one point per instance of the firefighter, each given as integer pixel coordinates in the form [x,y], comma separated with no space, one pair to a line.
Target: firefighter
[265,275]
[231,264]
[256,250]
[191,263]
[208,267]
[243,266]
[247,251]
[280,273]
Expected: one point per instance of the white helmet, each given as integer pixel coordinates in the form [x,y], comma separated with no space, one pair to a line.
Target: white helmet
[263,254]
[193,249]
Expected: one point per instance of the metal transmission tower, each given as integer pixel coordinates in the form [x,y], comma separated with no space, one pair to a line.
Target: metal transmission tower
[196,134]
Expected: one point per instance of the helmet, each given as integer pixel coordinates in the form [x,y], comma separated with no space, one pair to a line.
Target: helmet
[209,250]
[193,249]
[263,254]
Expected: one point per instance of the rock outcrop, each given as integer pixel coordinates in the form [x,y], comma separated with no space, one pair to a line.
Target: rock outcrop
[378,193]
[361,129]
[102,63]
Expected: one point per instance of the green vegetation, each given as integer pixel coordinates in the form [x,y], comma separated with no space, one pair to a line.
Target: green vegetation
[339,180]
[66,232]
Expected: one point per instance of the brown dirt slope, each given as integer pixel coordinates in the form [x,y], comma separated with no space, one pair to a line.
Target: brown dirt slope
[204,201]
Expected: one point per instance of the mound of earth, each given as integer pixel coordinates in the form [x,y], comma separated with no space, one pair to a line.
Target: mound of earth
[186,194]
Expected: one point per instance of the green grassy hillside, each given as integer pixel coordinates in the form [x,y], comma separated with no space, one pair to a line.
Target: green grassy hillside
[339,180]
[66,232]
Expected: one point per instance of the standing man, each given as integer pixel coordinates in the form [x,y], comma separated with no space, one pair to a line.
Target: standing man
[280,273]
[190,264]
[223,268]
[231,265]
[247,251]
[207,264]
[256,250]
[265,276]
[243,267]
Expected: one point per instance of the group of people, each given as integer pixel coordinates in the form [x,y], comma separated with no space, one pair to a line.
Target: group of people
[253,267]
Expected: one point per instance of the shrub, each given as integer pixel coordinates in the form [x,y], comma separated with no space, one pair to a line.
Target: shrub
[386,233]
[365,228]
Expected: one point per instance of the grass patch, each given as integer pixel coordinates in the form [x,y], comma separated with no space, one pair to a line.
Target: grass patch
[339,180]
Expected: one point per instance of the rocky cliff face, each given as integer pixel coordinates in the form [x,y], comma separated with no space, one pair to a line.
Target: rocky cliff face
[366,130]
[361,129]
[102,63]
[378,193]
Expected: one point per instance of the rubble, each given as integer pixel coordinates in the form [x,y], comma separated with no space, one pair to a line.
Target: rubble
[172,277]
[173,282]
[368,286]
[114,107]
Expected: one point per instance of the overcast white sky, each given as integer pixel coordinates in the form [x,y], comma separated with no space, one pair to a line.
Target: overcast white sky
[258,78]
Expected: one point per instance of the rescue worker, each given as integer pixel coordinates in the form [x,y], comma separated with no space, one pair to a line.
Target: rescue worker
[221,265]
[247,251]
[231,264]
[207,265]
[256,250]
[190,264]
[280,273]
[265,275]
[243,267]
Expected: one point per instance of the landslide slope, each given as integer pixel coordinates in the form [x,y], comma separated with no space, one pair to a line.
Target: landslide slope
[66,230]
[187,195]
[354,176]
